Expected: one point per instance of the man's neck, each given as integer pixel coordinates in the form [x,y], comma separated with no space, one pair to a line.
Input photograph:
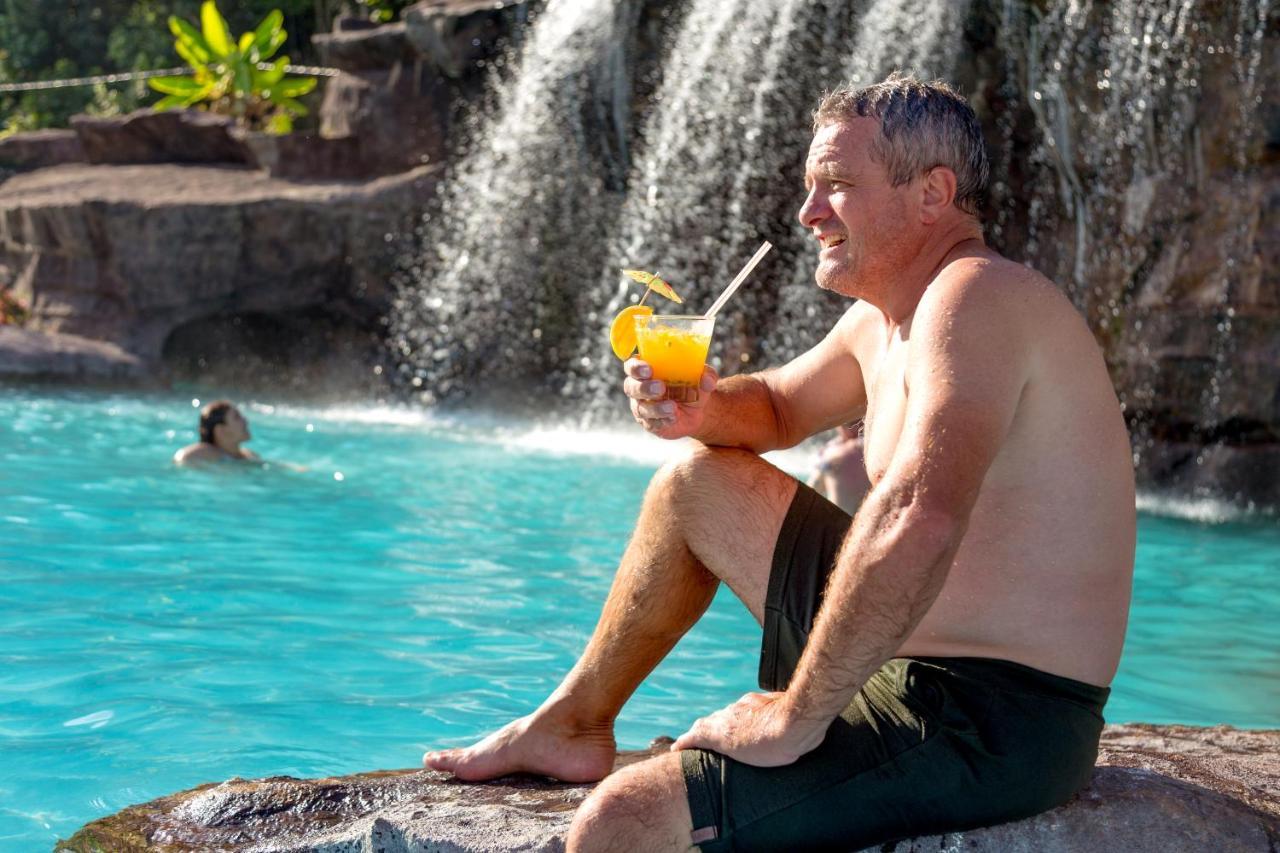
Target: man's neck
[231,450]
[907,288]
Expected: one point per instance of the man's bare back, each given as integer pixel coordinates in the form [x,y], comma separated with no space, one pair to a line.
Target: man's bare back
[1043,574]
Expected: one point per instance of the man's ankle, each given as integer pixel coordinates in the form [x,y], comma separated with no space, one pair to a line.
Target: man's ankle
[575,717]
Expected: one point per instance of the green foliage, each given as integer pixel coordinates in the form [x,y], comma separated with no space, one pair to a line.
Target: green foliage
[57,39]
[384,11]
[227,76]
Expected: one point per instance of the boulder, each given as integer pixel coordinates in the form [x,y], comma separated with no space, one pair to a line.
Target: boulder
[29,355]
[454,34]
[138,255]
[366,49]
[147,136]
[313,157]
[1157,788]
[38,149]
[398,117]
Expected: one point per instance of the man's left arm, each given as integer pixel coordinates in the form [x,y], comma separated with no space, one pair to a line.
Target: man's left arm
[968,363]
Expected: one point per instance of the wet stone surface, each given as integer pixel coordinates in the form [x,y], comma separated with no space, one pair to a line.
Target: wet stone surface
[1157,788]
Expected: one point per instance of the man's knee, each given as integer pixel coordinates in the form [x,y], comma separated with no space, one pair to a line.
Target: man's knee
[701,472]
[642,808]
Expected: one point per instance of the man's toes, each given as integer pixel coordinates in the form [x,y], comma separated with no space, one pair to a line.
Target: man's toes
[444,759]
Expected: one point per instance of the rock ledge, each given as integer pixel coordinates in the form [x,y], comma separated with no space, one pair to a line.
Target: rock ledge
[1156,788]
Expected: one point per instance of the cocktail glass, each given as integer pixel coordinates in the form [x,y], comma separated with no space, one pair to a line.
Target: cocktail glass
[675,346]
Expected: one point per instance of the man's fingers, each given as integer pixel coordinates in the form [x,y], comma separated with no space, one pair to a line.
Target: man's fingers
[637,369]
[701,735]
[654,409]
[644,389]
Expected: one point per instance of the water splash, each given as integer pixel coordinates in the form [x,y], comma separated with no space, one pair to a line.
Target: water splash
[519,227]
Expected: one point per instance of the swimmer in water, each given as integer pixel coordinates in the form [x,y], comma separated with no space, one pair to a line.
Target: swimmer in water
[222,430]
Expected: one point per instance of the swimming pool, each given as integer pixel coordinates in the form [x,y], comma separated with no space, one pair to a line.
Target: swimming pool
[424,581]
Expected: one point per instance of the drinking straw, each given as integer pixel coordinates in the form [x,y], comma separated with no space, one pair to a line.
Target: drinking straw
[733,285]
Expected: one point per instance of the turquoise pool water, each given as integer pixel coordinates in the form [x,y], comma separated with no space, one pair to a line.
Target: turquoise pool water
[424,581]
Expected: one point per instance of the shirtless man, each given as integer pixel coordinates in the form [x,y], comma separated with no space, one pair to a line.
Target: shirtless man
[940,661]
[222,430]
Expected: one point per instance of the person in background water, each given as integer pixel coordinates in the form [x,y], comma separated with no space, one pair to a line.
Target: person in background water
[222,430]
[841,475]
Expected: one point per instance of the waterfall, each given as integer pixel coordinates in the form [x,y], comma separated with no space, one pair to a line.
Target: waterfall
[518,272]
[1128,156]
[518,228]
[671,135]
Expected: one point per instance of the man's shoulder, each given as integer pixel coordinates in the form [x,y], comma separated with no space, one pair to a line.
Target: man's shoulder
[195,453]
[988,289]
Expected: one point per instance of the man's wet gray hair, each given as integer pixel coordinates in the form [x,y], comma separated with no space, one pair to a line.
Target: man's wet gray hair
[922,125]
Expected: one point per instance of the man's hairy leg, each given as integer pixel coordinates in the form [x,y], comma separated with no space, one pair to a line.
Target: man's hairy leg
[641,809]
[712,516]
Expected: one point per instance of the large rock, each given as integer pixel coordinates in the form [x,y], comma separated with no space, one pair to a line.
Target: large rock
[1157,788]
[147,136]
[369,49]
[28,355]
[454,34]
[1147,184]
[135,255]
[39,149]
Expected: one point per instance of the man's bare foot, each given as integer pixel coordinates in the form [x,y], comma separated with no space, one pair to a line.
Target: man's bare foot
[530,745]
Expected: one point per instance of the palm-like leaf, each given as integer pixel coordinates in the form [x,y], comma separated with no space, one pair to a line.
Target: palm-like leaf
[191,38]
[215,29]
[180,86]
[270,76]
[265,37]
[295,87]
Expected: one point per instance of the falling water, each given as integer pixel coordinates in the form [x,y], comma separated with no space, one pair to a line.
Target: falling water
[1116,182]
[519,273]
[519,225]
[1108,164]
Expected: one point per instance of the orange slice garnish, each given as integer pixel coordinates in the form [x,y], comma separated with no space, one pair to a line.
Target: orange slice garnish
[622,332]
[651,281]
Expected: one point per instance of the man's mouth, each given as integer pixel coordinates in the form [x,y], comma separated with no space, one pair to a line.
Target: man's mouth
[830,241]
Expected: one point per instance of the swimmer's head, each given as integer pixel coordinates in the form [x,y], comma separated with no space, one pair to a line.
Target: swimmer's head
[222,420]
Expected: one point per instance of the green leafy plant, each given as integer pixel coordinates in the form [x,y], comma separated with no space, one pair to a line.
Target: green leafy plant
[235,76]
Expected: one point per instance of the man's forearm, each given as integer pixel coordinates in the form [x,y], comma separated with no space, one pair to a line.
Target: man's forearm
[889,571]
[741,413]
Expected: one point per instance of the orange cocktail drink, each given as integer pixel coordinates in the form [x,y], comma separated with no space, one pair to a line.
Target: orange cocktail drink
[674,346]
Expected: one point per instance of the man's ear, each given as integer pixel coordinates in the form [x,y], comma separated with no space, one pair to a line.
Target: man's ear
[938,191]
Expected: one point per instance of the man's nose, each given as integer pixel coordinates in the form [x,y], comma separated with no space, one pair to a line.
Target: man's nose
[814,210]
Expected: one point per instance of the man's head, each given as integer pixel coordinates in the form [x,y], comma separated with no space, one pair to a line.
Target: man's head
[888,163]
[222,424]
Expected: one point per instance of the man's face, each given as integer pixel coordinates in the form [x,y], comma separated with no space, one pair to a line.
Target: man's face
[235,429]
[860,220]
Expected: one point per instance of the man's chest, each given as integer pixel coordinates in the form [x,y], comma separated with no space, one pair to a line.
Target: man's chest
[885,377]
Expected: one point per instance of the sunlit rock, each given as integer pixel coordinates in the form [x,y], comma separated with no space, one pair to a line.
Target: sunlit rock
[1156,789]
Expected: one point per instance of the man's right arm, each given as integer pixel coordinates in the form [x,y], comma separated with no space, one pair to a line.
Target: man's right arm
[762,411]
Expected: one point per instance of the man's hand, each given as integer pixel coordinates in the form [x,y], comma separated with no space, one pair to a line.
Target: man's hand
[755,730]
[667,413]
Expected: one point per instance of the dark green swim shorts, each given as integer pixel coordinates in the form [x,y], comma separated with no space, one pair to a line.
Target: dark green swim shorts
[929,745]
